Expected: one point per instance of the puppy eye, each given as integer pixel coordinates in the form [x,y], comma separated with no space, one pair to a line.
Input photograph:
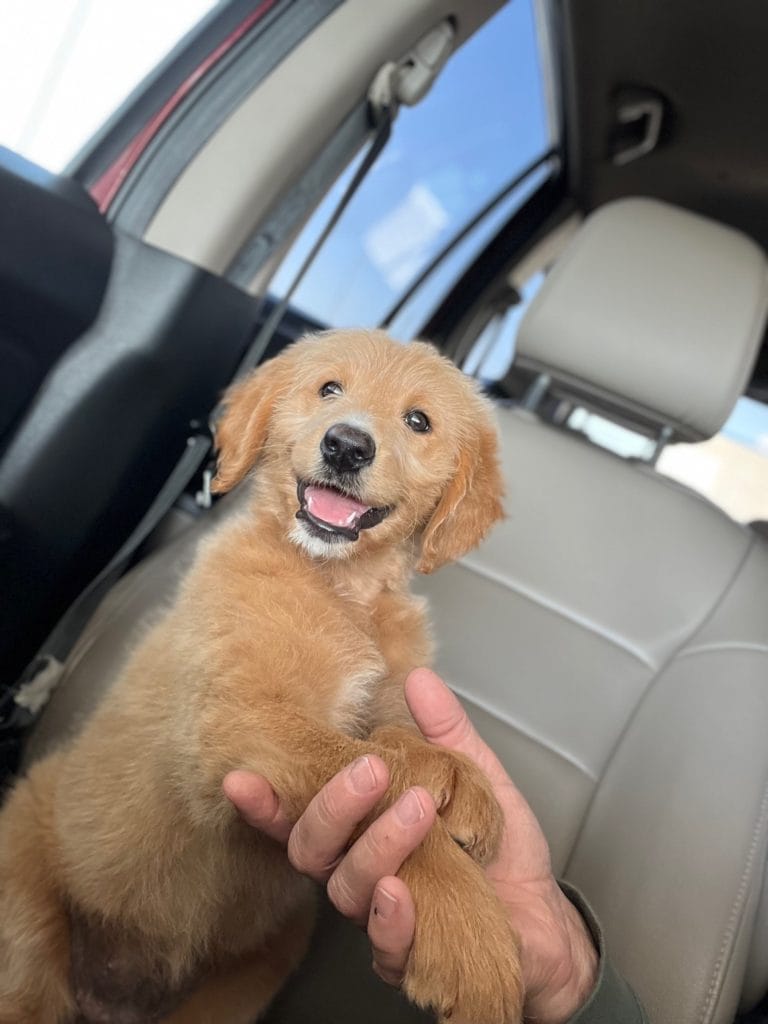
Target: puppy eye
[331,388]
[417,421]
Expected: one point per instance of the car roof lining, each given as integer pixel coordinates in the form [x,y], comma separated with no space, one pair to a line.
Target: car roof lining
[713,153]
[281,126]
[708,66]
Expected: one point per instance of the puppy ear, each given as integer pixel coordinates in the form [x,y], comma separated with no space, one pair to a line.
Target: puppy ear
[241,432]
[469,506]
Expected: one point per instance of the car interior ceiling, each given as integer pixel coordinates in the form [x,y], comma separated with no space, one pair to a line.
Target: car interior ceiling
[279,129]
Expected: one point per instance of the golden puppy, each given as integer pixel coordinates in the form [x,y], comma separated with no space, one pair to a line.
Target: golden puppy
[130,891]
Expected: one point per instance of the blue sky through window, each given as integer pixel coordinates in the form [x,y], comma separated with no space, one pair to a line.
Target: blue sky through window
[483,121]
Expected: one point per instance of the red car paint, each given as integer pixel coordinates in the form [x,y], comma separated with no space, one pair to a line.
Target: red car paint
[108,185]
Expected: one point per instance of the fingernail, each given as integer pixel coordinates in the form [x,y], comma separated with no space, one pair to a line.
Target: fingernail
[408,808]
[385,904]
[361,775]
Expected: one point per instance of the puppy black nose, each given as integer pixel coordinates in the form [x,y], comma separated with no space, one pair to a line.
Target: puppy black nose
[347,448]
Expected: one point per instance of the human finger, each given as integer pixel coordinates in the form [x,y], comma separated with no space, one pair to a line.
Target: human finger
[322,833]
[442,719]
[380,851]
[257,803]
[391,926]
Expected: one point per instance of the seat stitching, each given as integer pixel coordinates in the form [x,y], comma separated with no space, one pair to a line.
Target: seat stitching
[651,684]
[557,609]
[502,717]
[726,949]
[725,646]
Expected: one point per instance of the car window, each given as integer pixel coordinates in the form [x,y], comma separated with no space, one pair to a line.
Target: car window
[731,469]
[493,352]
[482,123]
[66,65]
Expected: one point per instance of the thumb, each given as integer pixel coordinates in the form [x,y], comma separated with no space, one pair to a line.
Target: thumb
[442,720]
[524,853]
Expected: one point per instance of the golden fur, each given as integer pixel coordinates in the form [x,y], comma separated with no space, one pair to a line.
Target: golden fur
[128,884]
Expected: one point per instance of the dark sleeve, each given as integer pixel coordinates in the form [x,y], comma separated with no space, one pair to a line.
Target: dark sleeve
[612,1000]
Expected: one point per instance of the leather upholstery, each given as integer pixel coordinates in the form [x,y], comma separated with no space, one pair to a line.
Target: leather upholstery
[651,310]
[611,641]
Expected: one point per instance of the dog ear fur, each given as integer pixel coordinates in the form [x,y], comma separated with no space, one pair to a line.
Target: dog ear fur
[241,432]
[469,506]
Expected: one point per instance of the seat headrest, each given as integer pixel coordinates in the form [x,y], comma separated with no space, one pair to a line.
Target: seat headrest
[652,311]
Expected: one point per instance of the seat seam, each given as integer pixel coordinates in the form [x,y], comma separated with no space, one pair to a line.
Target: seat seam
[584,623]
[122,593]
[725,646]
[648,689]
[510,723]
[95,630]
[736,915]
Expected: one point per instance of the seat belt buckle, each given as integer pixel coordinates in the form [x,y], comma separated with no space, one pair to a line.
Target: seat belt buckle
[204,432]
[21,704]
[204,497]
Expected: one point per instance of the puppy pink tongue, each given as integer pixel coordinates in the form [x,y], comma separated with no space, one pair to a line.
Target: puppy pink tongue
[332,507]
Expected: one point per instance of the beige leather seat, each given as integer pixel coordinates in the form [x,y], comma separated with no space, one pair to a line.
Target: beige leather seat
[610,638]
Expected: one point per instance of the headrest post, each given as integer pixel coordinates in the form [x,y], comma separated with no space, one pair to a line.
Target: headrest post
[665,436]
[536,391]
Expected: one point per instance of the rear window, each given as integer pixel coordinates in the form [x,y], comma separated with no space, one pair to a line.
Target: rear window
[731,469]
[484,121]
[66,65]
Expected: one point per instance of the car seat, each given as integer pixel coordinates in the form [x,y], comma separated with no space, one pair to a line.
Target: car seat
[611,636]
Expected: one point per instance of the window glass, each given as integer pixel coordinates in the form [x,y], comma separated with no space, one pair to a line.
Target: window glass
[481,124]
[731,469]
[66,65]
[415,311]
[629,444]
[492,354]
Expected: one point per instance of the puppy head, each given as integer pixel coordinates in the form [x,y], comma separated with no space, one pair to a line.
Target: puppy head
[363,442]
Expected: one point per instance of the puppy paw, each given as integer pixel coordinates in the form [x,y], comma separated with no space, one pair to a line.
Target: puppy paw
[464,964]
[471,813]
[462,794]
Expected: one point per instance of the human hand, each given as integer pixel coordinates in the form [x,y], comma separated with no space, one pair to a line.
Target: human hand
[361,881]
[559,960]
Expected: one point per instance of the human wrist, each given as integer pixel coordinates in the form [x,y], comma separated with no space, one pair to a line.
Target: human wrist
[560,958]
[573,988]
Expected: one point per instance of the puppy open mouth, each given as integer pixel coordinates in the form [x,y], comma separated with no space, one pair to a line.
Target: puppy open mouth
[334,515]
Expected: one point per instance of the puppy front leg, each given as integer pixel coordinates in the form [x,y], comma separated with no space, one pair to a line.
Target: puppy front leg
[464,963]
[279,741]
[463,795]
